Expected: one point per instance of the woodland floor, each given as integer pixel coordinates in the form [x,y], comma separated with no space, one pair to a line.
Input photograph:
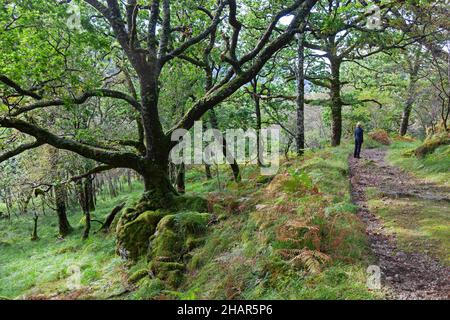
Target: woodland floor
[407,223]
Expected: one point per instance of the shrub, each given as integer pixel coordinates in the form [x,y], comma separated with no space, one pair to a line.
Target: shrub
[380,136]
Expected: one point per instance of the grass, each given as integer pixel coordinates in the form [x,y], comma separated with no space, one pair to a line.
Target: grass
[433,167]
[49,267]
[241,257]
[420,225]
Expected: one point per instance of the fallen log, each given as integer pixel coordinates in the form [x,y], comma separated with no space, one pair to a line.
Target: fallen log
[110,218]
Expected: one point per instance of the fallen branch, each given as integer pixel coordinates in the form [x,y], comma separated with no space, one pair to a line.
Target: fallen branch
[110,218]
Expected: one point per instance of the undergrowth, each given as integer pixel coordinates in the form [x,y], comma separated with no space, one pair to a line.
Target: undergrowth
[296,237]
[52,267]
[291,236]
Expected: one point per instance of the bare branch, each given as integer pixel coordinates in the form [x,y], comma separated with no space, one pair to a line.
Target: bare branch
[194,40]
[215,96]
[18,88]
[79,100]
[19,150]
[95,170]
[117,159]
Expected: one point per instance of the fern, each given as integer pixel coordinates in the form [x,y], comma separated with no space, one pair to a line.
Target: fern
[311,260]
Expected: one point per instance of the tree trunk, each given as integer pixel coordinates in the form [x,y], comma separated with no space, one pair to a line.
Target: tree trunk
[130,184]
[405,118]
[413,70]
[63,222]
[90,191]
[408,105]
[87,205]
[34,235]
[181,187]
[300,101]
[207,166]
[159,191]
[208,172]
[111,187]
[257,100]
[234,165]
[336,103]
[110,218]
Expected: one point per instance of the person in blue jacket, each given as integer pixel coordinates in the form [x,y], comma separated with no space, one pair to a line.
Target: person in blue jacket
[359,139]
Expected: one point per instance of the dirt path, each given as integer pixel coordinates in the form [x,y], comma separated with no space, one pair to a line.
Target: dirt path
[411,275]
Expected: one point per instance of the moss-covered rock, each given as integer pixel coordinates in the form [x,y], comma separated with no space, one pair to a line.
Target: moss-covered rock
[170,272]
[133,237]
[432,144]
[128,215]
[137,226]
[138,275]
[176,235]
[154,200]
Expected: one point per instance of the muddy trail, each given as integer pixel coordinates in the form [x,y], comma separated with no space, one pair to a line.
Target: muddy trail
[405,275]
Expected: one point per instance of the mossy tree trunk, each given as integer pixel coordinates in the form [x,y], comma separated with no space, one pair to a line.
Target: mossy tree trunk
[207,166]
[410,99]
[34,235]
[181,186]
[84,190]
[300,99]
[257,101]
[232,161]
[63,223]
[336,102]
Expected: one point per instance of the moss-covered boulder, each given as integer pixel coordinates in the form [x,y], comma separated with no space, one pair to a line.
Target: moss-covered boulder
[176,236]
[432,144]
[128,215]
[138,275]
[133,236]
[170,272]
[137,224]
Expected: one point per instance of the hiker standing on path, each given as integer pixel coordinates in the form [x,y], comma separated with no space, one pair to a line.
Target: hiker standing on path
[359,139]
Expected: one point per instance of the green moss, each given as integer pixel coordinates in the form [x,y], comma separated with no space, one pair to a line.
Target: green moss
[432,167]
[128,215]
[432,144]
[264,179]
[138,224]
[170,272]
[148,288]
[176,235]
[154,200]
[138,275]
[419,225]
[190,203]
[133,237]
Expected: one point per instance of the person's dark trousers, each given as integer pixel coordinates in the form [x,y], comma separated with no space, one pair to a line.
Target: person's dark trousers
[357,152]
